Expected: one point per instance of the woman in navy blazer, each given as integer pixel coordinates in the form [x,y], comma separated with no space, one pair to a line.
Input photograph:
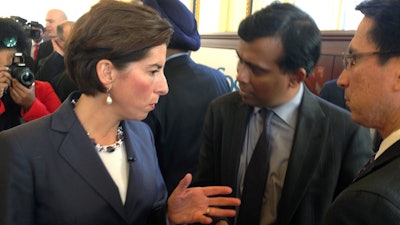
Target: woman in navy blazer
[92,162]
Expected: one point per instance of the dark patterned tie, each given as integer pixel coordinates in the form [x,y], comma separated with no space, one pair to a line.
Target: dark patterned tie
[255,177]
[362,170]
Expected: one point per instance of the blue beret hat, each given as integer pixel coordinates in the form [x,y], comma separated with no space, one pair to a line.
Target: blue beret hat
[186,35]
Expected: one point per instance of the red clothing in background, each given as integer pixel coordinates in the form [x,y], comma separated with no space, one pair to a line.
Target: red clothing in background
[46,102]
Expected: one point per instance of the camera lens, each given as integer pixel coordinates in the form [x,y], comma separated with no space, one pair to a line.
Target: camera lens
[25,77]
[20,71]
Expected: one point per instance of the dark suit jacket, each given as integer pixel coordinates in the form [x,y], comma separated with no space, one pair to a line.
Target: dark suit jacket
[45,49]
[328,151]
[177,120]
[63,85]
[50,67]
[51,174]
[374,197]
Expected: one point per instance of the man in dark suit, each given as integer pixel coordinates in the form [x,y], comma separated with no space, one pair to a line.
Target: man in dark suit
[177,120]
[371,82]
[316,149]
[53,18]
[53,68]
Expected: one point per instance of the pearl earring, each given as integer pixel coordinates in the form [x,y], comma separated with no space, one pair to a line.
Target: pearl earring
[109,99]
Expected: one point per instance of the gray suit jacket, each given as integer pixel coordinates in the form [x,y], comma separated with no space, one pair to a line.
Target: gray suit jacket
[328,151]
[374,197]
[52,174]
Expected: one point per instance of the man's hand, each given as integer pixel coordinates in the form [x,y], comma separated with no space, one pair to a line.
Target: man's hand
[196,205]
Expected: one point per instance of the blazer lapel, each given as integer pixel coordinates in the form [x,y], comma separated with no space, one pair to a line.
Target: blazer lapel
[131,200]
[232,154]
[310,135]
[78,151]
[391,153]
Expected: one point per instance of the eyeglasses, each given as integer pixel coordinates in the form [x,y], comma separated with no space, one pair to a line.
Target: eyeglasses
[349,60]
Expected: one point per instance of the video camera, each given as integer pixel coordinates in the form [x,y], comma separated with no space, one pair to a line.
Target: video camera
[20,71]
[32,29]
[33,33]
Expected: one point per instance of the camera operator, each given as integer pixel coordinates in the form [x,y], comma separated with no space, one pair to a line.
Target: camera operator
[22,98]
[36,35]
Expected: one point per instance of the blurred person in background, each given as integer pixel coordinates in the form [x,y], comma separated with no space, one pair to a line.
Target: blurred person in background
[20,103]
[178,119]
[60,81]
[53,18]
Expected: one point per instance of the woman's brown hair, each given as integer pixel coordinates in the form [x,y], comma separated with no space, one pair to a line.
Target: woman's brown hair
[118,31]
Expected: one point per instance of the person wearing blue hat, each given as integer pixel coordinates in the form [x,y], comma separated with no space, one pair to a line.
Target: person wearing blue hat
[178,119]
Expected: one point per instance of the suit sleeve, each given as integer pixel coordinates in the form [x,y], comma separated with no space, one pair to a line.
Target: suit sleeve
[45,103]
[205,175]
[16,183]
[362,207]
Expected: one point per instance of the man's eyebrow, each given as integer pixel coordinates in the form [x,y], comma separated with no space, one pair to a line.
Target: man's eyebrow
[251,65]
[248,63]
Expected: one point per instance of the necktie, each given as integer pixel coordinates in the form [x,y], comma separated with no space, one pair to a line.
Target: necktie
[35,51]
[362,170]
[255,177]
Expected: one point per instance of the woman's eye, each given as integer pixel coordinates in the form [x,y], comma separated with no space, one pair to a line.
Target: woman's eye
[154,72]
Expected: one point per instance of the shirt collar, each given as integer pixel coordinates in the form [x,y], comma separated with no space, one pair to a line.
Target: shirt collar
[387,142]
[288,111]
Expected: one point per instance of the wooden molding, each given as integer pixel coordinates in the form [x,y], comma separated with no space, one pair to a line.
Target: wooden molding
[225,40]
[330,40]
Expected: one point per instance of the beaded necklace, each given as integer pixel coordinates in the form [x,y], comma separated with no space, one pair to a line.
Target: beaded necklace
[107,148]
[112,147]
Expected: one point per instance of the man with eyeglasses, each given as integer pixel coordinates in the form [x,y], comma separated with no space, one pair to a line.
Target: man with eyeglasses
[371,80]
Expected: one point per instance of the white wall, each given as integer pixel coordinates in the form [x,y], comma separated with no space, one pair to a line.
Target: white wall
[216,58]
[35,10]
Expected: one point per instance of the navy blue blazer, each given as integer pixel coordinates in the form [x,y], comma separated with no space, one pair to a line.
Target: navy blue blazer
[328,151]
[374,197]
[45,49]
[50,173]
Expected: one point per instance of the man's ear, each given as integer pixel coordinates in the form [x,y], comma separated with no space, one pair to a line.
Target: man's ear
[104,72]
[395,70]
[397,81]
[297,76]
